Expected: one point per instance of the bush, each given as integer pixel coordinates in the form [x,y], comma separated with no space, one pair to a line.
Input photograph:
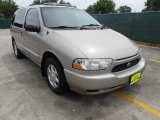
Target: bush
[7,9]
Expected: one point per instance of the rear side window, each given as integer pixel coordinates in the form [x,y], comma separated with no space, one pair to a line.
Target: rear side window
[13,19]
[32,17]
[19,18]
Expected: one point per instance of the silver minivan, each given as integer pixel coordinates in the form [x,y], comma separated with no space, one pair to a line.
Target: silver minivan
[74,50]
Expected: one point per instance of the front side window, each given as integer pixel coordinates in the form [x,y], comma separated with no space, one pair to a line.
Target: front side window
[32,17]
[54,17]
[18,19]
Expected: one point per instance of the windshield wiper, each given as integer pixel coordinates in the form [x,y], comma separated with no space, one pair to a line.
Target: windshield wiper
[63,27]
[84,26]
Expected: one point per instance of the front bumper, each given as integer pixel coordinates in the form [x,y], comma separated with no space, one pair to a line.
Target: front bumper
[100,83]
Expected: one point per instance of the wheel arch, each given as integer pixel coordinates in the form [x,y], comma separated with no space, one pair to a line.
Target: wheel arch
[12,38]
[47,55]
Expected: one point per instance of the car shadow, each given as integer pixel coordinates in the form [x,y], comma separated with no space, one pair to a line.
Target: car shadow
[72,105]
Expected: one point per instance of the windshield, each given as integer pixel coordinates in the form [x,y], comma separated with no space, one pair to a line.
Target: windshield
[71,17]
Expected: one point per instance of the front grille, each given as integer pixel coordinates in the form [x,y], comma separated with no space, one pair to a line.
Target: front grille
[125,65]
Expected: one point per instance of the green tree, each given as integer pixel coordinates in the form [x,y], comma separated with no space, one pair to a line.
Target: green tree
[37,2]
[63,2]
[152,5]
[124,9]
[7,8]
[102,7]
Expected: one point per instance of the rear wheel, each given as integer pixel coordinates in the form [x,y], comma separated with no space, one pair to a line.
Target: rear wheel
[17,52]
[55,76]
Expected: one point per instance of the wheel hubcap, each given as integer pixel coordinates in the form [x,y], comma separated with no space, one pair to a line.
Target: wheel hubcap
[53,76]
[15,49]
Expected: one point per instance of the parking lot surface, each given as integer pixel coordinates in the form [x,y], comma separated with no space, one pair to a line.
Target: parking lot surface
[24,94]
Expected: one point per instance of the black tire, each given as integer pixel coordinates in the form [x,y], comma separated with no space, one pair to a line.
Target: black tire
[60,87]
[17,52]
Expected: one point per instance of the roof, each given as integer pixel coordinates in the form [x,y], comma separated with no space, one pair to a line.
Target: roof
[58,4]
[54,5]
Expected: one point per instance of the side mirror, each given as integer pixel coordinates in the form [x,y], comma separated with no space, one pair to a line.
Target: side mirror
[32,28]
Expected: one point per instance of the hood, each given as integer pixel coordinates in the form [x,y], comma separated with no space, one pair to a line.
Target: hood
[99,43]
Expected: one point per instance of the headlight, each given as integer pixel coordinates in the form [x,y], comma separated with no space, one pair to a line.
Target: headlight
[92,64]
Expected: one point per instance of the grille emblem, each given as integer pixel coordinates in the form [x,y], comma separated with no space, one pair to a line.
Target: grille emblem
[129,64]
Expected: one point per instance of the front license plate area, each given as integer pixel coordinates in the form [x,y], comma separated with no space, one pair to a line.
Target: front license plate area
[135,78]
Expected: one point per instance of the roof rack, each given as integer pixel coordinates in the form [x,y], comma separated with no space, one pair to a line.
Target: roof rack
[58,4]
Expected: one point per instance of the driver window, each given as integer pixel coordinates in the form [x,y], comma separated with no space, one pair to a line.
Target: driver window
[32,17]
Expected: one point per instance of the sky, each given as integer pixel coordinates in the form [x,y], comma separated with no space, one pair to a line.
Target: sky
[136,5]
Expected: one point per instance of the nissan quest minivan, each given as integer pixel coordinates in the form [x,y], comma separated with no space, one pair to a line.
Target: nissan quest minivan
[74,50]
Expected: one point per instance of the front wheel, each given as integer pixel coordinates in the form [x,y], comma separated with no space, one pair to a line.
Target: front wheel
[17,52]
[55,76]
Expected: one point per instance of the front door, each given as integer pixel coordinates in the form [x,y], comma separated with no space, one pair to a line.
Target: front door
[32,39]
